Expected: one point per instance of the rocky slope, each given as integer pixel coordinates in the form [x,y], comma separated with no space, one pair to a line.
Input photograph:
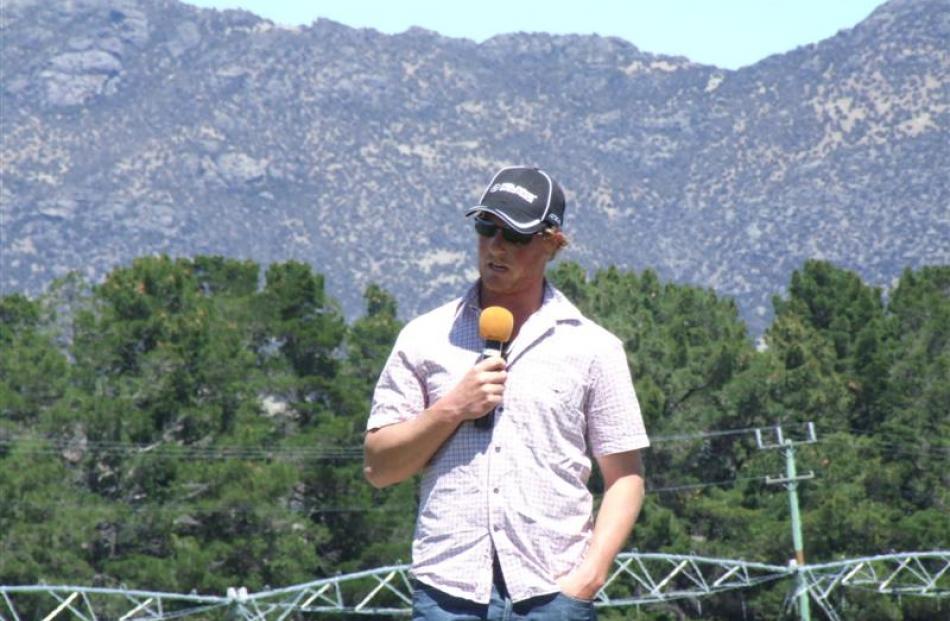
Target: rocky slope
[147,126]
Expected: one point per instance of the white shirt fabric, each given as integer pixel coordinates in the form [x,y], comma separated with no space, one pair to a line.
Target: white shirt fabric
[520,488]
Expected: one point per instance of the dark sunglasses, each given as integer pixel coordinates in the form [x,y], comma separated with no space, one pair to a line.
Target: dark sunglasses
[487,228]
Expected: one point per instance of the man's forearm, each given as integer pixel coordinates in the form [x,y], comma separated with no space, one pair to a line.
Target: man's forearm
[618,513]
[396,452]
[619,508]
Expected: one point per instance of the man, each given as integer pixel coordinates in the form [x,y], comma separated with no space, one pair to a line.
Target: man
[504,528]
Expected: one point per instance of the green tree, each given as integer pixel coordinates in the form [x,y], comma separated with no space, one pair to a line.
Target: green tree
[33,372]
[166,366]
[178,427]
[379,530]
[914,438]
[836,305]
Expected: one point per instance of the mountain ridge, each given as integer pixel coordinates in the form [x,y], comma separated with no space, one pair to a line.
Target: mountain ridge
[140,127]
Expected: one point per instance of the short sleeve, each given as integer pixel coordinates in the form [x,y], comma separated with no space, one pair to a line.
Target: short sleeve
[399,393]
[614,423]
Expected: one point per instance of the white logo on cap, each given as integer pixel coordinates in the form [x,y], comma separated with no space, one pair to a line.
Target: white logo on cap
[517,190]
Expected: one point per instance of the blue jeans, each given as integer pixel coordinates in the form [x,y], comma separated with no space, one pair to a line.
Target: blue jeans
[431,604]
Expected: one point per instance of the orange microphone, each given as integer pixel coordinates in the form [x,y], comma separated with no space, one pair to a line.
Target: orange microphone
[495,325]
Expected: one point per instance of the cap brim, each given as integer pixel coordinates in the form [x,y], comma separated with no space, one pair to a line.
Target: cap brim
[505,218]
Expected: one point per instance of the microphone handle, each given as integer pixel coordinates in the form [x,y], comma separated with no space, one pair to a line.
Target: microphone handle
[492,348]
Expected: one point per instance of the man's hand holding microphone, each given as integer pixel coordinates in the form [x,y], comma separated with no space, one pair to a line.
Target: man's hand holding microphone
[396,452]
[481,389]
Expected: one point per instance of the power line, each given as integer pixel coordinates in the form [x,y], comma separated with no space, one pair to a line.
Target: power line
[704,484]
[685,437]
[901,448]
[191,452]
[355,452]
[49,446]
[243,508]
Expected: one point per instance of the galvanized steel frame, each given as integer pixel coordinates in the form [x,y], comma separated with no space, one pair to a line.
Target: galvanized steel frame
[637,579]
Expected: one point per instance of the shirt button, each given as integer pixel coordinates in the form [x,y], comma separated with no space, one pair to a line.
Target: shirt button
[497,527]
[497,449]
[495,490]
[500,409]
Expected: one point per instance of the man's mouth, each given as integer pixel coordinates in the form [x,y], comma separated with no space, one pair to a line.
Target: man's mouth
[497,267]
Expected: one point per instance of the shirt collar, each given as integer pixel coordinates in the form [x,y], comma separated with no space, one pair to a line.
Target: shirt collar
[469,301]
[554,305]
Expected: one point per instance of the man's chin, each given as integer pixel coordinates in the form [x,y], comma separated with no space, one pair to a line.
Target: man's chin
[496,282]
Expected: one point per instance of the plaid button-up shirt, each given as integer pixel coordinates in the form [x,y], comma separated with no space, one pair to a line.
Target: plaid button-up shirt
[520,488]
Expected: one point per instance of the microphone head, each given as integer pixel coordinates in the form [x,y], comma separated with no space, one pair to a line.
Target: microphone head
[496,324]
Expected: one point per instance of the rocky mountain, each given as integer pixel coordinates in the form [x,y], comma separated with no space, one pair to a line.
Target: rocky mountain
[151,126]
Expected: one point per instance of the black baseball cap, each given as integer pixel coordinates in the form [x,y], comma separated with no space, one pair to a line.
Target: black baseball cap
[526,199]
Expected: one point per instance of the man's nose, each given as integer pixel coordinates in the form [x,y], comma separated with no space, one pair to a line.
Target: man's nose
[497,240]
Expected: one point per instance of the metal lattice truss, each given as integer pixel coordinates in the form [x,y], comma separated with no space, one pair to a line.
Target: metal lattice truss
[637,579]
[90,604]
[925,574]
[648,578]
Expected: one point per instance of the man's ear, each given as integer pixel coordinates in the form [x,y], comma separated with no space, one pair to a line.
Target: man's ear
[555,242]
[553,247]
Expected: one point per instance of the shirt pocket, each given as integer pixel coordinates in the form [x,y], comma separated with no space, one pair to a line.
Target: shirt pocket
[546,402]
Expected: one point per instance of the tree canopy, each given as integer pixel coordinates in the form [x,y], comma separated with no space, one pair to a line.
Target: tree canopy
[190,425]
